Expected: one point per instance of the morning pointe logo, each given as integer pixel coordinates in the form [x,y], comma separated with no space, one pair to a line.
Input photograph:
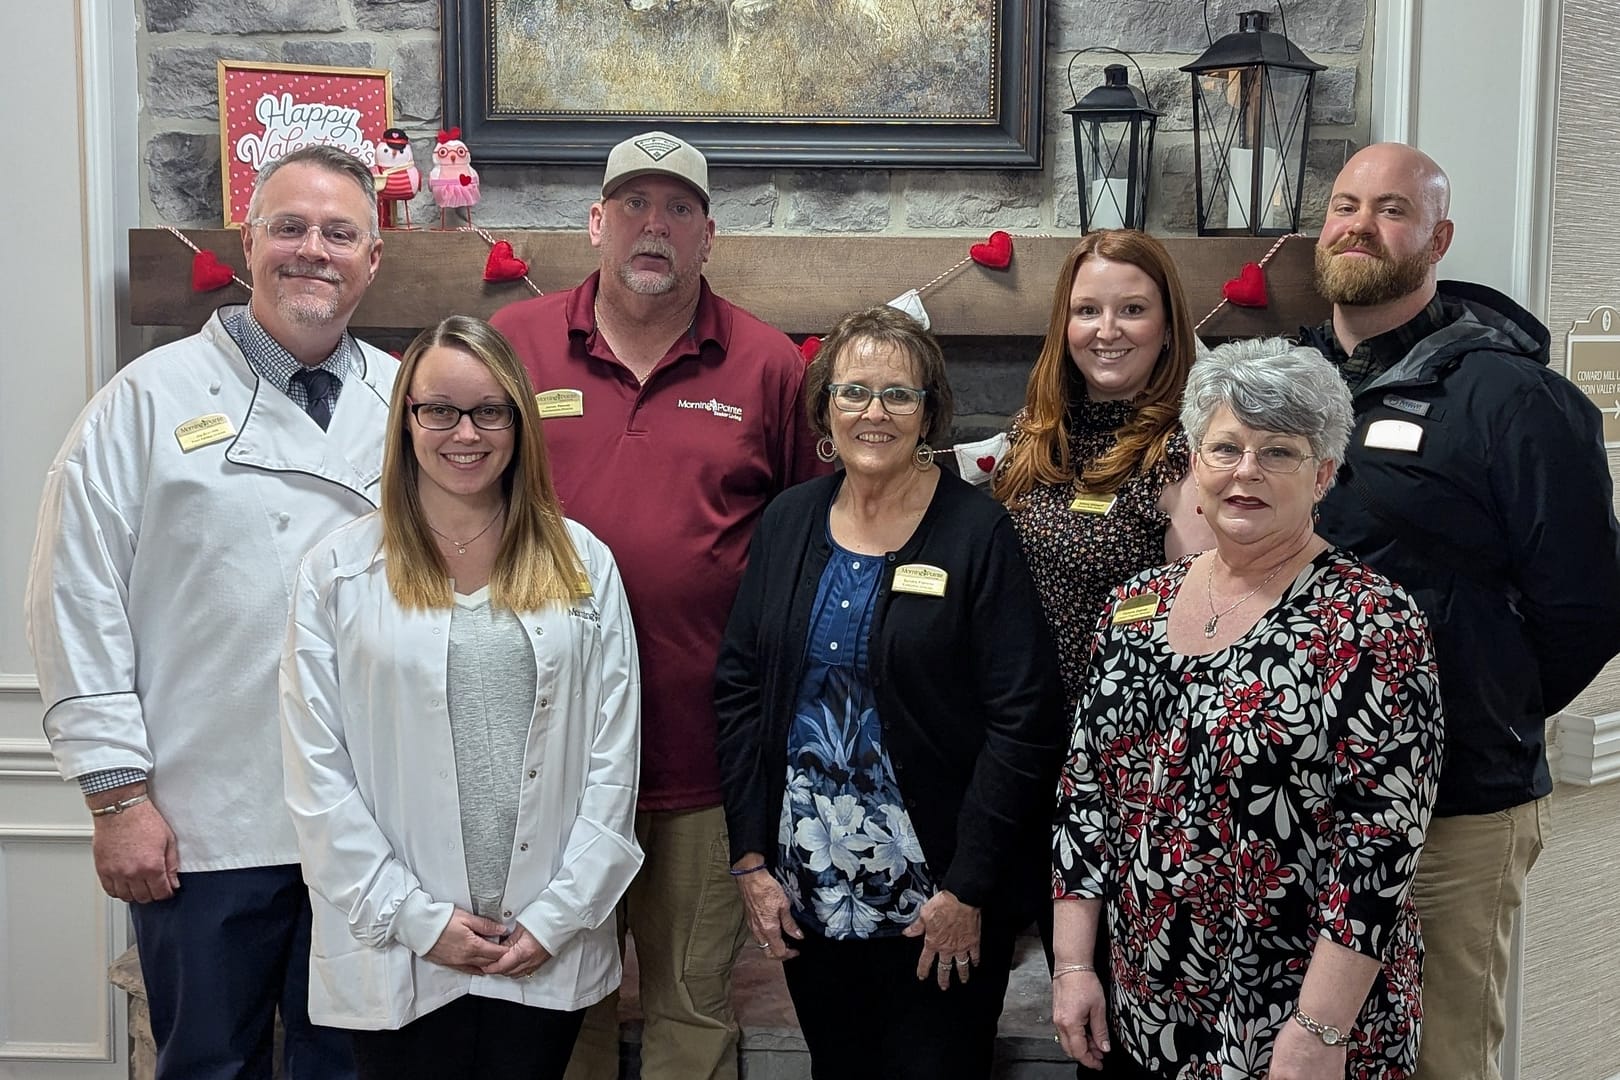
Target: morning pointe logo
[718,408]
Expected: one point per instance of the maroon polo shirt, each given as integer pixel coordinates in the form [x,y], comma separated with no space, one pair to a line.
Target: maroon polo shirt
[673,476]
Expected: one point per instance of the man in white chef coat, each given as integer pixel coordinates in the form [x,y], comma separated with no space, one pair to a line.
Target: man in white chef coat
[173,521]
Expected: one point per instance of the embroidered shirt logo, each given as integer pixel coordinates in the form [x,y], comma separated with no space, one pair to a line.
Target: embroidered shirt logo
[718,408]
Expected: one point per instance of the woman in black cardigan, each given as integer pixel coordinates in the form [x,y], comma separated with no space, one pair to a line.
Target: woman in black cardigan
[890,727]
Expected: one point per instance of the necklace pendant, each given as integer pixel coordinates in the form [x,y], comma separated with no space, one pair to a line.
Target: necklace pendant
[460,550]
[1209,627]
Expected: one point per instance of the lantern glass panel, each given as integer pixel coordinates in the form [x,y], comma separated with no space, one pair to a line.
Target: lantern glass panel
[1253,122]
[1111,152]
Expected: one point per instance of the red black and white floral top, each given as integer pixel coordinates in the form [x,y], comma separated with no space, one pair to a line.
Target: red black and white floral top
[1231,808]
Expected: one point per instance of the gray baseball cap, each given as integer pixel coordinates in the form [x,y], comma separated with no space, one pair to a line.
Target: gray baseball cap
[657,153]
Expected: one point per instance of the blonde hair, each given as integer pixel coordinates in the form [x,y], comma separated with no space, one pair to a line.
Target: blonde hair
[1041,453]
[536,564]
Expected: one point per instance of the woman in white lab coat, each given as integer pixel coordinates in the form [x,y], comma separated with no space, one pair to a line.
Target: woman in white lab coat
[461,708]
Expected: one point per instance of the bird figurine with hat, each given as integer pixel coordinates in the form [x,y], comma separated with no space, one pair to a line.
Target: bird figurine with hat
[453,181]
[396,176]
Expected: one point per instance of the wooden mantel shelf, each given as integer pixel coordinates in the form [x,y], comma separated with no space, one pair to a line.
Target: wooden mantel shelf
[801,284]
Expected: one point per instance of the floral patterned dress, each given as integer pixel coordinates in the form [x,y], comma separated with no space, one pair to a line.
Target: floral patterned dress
[847,854]
[1232,808]
[1076,557]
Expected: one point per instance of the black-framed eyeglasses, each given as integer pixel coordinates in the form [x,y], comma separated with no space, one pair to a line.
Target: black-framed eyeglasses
[289,231]
[441,416]
[896,400]
[1277,459]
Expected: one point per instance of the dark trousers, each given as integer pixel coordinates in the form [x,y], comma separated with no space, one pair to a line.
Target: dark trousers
[220,957]
[864,1013]
[472,1038]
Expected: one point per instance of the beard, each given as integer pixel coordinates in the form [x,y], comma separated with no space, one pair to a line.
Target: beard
[304,309]
[652,283]
[1368,282]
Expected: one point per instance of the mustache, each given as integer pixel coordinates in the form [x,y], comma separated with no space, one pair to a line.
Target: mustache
[310,270]
[660,248]
[1366,244]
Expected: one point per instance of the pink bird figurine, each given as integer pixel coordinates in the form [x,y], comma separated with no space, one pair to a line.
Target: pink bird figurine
[453,181]
[397,177]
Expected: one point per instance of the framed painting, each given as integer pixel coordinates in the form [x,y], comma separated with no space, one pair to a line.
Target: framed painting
[267,111]
[846,83]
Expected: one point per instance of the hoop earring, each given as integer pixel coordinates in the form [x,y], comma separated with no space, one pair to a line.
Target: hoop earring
[826,452]
[923,456]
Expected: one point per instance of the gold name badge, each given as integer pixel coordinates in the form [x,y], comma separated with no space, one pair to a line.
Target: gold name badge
[203,431]
[920,579]
[1136,608]
[1092,504]
[552,403]
[582,585]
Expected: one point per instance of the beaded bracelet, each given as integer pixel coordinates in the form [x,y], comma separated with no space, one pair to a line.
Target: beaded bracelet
[1070,969]
[747,870]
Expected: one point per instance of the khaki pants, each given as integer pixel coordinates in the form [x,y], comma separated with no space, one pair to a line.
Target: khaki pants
[1469,887]
[686,916]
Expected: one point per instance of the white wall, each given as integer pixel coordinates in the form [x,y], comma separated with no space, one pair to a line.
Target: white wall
[1470,83]
[61,215]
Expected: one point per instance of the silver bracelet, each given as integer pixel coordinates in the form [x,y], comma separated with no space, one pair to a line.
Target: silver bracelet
[1069,969]
[119,807]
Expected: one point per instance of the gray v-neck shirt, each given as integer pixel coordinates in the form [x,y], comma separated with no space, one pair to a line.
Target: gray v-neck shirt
[491,699]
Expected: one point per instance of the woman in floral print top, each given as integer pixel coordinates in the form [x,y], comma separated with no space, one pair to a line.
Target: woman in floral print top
[1246,796]
[1095,471]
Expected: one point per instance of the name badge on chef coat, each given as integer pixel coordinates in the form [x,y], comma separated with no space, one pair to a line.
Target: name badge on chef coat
[1097,505]
[1136,608]
[204,431]
[582,585]
[564,402]
[920,579]
[1394,435]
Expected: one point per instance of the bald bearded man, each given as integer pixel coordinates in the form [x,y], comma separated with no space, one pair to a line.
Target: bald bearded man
[1477,478]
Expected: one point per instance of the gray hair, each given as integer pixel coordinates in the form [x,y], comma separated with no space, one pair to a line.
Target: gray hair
[1273,385]
[325,157]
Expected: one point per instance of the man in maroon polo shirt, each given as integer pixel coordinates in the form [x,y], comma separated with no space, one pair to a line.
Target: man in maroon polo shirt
[672,418]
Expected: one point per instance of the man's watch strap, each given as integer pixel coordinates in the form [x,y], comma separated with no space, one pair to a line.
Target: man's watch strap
[1330,1035]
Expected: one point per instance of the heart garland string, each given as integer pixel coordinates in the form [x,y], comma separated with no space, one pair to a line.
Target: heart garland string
[503,263]
[207,271]
[1248,289]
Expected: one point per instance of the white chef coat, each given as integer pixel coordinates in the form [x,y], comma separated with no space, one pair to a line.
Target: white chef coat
[371,781]
[161,580]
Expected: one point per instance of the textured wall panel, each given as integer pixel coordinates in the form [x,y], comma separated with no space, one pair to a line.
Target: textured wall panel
[1571,980]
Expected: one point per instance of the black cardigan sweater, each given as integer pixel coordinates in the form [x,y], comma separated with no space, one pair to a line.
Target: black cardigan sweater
[966,684]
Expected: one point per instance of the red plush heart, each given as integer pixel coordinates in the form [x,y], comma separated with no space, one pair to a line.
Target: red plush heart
[503,265]
[1248,289]
[986,463]
[208,273]
[809,347]
[466,181]
[996,253]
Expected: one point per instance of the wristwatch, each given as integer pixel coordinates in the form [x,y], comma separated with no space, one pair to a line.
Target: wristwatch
[1329,1034]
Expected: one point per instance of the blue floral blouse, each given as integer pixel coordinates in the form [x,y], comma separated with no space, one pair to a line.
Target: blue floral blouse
[847,855]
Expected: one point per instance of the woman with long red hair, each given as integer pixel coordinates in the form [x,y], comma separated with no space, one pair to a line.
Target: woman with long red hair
[1096,467]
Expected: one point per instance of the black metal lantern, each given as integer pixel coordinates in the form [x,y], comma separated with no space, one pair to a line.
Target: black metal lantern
[1251,125]
[1113,152]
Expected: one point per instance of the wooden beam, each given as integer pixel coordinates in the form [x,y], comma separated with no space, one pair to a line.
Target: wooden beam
[801,284]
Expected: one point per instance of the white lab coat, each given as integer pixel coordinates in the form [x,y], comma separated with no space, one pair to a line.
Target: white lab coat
[161,579]
[371,781]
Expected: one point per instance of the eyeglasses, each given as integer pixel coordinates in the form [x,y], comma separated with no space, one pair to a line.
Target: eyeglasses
[1279,460]
[438,416]
[287,231]
[897,400]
